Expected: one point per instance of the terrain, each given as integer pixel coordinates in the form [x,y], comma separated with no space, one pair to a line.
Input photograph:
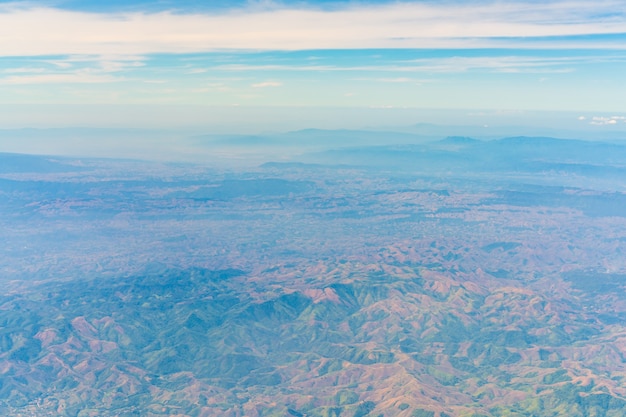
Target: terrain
[451,278]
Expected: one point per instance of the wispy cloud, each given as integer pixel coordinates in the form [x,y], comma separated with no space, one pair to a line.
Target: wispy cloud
[28,30]
[196,71]
[393,80]
[76,78]
[504,64]
[103,63]
[83,69]
[73,69]
[267,84]
[454,64]
[24,70]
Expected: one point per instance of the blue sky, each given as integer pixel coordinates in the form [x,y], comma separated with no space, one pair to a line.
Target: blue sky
[63,62]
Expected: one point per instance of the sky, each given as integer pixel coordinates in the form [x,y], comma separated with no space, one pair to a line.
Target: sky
[263,65]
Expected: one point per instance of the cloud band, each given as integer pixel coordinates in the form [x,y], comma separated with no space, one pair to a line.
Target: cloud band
[31,31]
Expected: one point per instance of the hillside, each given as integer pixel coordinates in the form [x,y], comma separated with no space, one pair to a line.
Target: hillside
[316,289]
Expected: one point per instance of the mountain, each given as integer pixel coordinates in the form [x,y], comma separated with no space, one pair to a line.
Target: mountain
[462,154]
[453,278]
[307,139]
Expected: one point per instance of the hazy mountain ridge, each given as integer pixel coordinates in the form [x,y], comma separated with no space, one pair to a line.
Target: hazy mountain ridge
[513,154]
[19,163]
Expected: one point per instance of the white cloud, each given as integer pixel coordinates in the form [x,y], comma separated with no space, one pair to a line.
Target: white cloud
[395,80]
[277,67]
[24,70]
[196,71]
[96,68]
[81,69]
[28,30]
[117,65]
[103,63]
[70,78]
[501,64]
[607,120]
[267,84]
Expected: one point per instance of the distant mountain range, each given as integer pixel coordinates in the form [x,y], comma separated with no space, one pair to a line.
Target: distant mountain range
[193,145]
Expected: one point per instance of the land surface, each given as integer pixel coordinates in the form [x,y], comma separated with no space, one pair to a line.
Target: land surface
[455,278]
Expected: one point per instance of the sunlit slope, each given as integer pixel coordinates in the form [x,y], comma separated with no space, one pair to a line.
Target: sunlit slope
[196,342]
